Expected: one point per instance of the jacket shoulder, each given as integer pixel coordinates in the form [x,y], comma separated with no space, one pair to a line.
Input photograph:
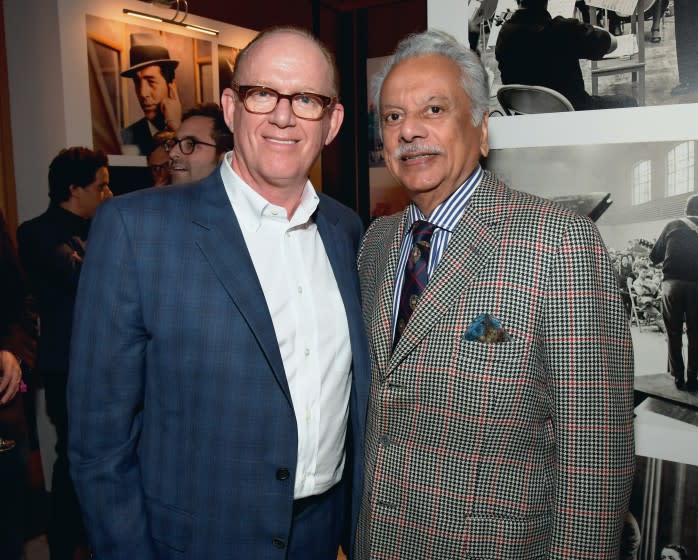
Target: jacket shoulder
[336,211]
[36,226]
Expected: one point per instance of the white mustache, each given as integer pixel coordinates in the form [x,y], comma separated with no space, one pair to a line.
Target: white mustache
[408,149]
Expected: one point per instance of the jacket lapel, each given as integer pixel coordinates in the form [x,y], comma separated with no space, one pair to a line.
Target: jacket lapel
[472,244]
[382,317]
[342,260]
[336,252]
[217,233]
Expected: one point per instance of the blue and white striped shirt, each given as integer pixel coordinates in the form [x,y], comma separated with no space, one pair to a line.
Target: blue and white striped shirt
[445,217]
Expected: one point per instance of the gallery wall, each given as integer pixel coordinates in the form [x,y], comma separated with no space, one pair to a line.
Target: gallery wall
[48,80]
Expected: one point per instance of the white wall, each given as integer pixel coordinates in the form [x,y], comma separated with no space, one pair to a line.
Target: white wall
[449,16]
[49,91]
[36,97]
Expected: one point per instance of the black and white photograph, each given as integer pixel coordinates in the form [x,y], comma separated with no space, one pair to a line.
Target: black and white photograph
[632,192]
[662,522]
[592,54]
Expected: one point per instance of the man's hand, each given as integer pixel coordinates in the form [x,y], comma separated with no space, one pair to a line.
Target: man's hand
[171,107]
[11,376]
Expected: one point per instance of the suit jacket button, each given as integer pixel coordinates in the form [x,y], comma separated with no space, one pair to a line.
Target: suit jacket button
[278,543]
[282,474]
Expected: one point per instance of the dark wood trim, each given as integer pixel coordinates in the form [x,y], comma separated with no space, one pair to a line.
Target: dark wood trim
[8,194]
[353,5]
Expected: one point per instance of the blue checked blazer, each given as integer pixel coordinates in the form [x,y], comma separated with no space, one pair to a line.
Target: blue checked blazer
[517,450]
[180,413]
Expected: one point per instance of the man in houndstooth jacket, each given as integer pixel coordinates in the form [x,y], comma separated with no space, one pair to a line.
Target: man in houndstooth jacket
[520,448]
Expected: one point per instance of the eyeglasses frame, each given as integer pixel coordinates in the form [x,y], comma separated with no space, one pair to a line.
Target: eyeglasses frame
[169,144]
[243,92]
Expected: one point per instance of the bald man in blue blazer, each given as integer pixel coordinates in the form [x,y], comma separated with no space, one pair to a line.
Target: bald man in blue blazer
[219,369]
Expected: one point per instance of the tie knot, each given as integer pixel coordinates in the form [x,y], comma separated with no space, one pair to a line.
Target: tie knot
[422,231]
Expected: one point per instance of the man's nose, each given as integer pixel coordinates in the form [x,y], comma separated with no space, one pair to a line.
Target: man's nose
[282,115]
[175,153]
[412,128]
[143,90]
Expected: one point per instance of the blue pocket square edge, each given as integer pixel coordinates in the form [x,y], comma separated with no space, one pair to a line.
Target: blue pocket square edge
[486,328]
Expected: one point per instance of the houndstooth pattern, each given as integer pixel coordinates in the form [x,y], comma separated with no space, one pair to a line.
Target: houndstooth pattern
[516,450]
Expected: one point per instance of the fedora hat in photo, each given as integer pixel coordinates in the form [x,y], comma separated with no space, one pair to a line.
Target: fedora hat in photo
[147,49]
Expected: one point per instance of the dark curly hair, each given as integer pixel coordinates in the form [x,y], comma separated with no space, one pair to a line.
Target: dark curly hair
[76,166]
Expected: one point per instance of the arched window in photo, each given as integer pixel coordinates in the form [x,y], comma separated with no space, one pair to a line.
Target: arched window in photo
[642,182]
[681,168]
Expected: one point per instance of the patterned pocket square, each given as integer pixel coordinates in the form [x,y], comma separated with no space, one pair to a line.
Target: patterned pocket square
[486,328]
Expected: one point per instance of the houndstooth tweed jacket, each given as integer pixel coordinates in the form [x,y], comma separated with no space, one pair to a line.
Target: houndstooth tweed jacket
[516,450]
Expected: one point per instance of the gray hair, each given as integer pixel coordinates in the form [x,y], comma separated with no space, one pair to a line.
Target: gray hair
[692,205]
[432,42]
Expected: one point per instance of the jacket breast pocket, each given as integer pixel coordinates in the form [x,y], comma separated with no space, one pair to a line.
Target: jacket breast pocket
[502,357]
[168,526]
[494,377]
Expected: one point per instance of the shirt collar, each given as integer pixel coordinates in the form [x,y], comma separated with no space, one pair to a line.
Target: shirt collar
[447,214]
[251,207]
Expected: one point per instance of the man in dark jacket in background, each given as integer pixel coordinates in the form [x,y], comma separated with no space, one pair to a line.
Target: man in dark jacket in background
[51,248]
[536,49]
[677,249]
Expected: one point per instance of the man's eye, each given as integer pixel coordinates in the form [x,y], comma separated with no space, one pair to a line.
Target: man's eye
[391,117]
[434,110]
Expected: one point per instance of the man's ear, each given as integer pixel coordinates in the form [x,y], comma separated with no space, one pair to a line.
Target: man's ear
[484,138]
[336,119]
[228,103]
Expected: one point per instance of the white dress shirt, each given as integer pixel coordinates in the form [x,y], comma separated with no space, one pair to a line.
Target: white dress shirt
[309,321]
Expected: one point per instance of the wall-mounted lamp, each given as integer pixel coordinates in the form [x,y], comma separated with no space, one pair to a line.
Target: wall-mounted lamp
[178,19]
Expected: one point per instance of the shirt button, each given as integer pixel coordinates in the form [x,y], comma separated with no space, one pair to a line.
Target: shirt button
[307,352]
[385,440]
[300,289]
[278,543]
[274,212]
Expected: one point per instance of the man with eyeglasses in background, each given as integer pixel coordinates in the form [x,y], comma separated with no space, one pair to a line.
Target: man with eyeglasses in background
[159,159]
[217,401]
[199,144]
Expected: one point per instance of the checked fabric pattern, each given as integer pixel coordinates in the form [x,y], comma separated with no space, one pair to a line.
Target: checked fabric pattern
[517,450]
[416,276]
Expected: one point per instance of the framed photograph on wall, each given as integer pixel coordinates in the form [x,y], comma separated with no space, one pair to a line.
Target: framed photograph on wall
[385,195]
[141,81]
[226,64]
[651,60]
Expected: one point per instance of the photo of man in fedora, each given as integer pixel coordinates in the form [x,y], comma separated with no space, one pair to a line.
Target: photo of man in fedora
[153,74]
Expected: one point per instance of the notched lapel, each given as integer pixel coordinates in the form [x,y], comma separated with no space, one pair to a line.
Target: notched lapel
[218,235]
[471,246]
[335,248]
[381,333]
